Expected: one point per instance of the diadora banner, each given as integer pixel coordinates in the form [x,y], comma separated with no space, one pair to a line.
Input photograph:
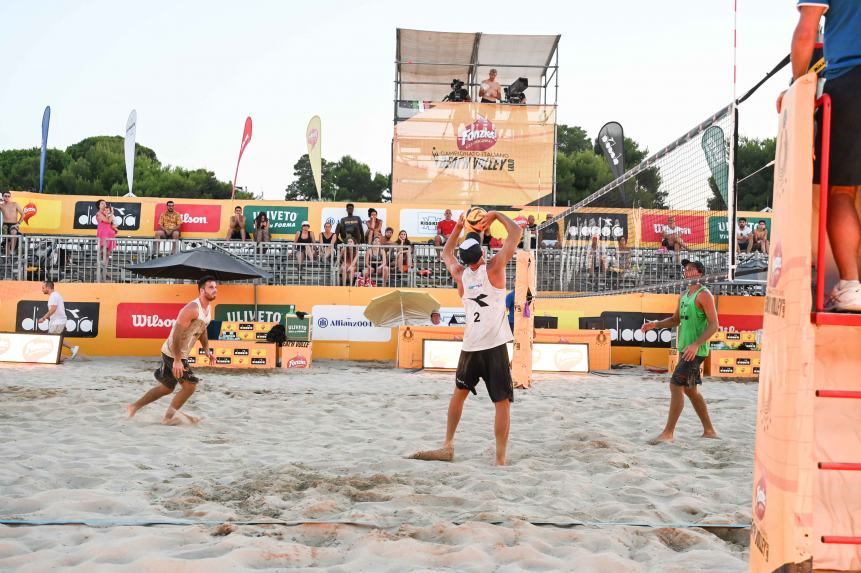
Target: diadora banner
[127,216]
[82,318]
[455,153]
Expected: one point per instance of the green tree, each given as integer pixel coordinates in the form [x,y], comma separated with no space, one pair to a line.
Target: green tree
[571,139]
[342,180]
[96,166]
[303,187]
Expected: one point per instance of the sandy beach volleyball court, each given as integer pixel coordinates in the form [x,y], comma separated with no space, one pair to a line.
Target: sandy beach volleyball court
[328,444]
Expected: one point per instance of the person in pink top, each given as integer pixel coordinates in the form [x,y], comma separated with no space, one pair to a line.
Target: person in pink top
[106,231]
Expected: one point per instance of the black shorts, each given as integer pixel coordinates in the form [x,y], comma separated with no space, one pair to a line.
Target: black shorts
[844,166]
[688,373]
[11,229]
[236,235]
[164,373]
[743,244]
[490,365]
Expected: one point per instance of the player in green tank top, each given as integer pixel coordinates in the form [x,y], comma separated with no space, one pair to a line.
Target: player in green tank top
[696,317]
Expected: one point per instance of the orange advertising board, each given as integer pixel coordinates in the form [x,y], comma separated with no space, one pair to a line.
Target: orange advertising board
[474,153]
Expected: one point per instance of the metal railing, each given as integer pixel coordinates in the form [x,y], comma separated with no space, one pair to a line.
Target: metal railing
[83,259]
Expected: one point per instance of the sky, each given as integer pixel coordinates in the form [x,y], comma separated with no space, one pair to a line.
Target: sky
[194,70]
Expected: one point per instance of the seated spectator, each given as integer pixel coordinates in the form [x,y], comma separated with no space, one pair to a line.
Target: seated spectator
[435,319]
[376,263]
[531,227]
[444,229]
[375,226]
[169,223]
[305,237]
[402,254]
[596,254]
[236,226]
[327,242]
[743,232]
[673,236]
[623,251]
[349,261]
[387,236]
[11,214]
[760,238]
[261,229]
[549,235]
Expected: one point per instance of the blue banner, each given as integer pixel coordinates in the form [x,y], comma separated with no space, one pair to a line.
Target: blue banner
[46,120]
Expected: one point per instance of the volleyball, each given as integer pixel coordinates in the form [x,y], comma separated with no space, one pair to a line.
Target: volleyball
[473,218]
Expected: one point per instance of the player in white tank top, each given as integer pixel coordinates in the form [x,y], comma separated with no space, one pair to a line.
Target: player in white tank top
[190,326]
[483,354]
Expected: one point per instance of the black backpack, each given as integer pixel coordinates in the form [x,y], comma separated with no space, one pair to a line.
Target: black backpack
[277,334]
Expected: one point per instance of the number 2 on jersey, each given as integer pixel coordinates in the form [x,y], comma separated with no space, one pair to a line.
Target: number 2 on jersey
[476,317]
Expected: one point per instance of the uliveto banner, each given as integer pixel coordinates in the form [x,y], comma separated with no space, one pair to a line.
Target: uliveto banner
[195,218]
[146,319]
[282,220]
[691,227]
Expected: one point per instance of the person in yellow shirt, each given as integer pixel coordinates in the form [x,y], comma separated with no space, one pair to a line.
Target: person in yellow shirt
[169,223]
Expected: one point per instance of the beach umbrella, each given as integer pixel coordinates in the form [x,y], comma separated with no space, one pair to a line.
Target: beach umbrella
[400,308]
[198,263]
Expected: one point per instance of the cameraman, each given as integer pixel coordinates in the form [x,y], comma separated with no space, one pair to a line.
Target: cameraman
[458,92]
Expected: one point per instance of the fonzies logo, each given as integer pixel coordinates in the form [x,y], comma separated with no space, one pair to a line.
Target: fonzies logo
[195,218]
[146,320]
[480,136]
[82,318]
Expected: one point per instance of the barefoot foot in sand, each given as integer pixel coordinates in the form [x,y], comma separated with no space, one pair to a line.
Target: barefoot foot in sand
[131,410]
[180,419]
[444,454]
[710,434]
[663,438]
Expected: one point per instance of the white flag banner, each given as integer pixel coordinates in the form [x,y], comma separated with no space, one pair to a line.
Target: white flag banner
[131,131]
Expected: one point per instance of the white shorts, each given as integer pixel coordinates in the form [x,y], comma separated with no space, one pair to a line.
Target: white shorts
[56,327]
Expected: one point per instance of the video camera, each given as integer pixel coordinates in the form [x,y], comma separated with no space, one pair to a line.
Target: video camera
[458,92]
[514,93]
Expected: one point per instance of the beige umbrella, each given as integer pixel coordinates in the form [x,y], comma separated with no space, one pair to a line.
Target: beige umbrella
[401,308]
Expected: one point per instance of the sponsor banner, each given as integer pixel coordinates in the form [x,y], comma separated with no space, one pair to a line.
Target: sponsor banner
[314,139]
[40,215]
[282,220]
[342,322]
[146,319]
[625,330]
[608,226]
[611,138]
[456,153]
[196,218]
[127,216]
[422,222]
[298,328]
[129,148]
[334,214]
[234,354]
[245,312]
[82,318]
[719,234]
[690,226]
[546,356]
[31,348]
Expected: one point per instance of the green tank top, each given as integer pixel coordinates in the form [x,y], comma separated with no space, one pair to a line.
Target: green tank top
[693,322]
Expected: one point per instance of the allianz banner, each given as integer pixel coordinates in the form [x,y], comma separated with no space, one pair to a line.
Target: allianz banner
[471,153]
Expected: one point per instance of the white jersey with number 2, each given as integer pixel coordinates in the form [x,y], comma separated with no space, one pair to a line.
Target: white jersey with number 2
[486,323]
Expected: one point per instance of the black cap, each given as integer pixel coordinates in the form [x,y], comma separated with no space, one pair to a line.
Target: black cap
[470,249]
[698,265]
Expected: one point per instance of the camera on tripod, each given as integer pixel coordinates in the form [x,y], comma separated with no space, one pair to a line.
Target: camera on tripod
[514,93]
[458,92]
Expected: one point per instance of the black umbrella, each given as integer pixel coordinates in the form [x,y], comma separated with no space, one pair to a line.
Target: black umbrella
[198,263]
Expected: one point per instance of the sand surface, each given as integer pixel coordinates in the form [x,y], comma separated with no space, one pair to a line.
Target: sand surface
[329,444]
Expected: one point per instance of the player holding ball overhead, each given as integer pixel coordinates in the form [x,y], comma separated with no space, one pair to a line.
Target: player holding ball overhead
[483,353]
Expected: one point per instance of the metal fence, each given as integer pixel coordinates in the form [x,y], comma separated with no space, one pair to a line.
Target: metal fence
[80,259]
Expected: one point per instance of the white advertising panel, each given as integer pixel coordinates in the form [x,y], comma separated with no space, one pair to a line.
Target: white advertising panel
[32,348]
[422,222]
[546,357]
[347,323]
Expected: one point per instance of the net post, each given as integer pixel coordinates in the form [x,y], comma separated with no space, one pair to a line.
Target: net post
[731,208]
[524,289]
